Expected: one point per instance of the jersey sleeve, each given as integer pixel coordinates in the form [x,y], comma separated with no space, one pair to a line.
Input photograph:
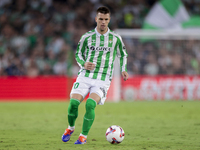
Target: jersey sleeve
[80,58]
[122,54]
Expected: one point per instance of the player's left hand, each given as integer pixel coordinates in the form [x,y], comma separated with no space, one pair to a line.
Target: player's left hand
[125,75]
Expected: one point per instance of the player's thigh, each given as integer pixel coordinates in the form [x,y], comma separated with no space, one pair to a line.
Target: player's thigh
[77,96]
[80,89]
[95,97]
[100,89]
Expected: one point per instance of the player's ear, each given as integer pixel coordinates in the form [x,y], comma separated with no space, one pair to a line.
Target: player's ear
[96,18]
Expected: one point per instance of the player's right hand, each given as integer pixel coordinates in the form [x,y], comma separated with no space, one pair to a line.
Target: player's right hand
[89,66]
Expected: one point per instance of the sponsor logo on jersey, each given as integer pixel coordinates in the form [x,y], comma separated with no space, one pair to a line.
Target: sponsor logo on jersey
[94,48]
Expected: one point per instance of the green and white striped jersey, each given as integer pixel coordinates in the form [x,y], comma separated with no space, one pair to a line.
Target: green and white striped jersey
[101,50]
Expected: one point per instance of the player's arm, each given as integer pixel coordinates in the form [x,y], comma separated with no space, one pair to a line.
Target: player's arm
[80,58]
[80,55]
[122,54]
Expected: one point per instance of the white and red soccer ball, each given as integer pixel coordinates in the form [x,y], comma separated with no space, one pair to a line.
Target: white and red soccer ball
[114,134]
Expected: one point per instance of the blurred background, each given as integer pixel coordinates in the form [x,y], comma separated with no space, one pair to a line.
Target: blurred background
[38,39]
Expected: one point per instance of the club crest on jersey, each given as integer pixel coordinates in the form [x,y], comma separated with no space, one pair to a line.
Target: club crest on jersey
[94,48]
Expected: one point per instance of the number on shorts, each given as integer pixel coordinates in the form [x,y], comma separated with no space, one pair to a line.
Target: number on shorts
[76,85]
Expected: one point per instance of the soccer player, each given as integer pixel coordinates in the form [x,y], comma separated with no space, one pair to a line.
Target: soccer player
[96,52]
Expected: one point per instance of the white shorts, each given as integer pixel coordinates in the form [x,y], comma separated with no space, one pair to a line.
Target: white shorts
[85,85]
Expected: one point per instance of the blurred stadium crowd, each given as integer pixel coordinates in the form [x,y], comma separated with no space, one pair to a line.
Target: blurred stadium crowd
[39,37]
[164,57]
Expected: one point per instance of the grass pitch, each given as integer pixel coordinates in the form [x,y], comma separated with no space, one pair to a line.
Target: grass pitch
[171,125]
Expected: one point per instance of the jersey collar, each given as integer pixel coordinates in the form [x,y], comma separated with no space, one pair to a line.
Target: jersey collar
[105,34]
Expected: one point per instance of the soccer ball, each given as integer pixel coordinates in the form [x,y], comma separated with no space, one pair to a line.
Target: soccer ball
[114,134]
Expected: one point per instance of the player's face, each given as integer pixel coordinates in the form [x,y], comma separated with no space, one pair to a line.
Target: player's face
[102,22]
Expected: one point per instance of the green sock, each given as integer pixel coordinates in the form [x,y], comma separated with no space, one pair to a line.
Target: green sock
[89,116]
[73,111]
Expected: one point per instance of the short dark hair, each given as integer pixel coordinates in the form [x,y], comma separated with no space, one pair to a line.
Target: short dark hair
[103,10]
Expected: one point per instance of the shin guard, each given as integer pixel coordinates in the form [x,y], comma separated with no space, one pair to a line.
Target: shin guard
[73,111]
[89,116]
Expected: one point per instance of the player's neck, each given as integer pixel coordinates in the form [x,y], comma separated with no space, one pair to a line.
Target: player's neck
[102,32]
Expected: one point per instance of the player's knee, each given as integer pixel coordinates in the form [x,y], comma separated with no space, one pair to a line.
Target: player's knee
[90,104]
[73,105]
[76,96]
